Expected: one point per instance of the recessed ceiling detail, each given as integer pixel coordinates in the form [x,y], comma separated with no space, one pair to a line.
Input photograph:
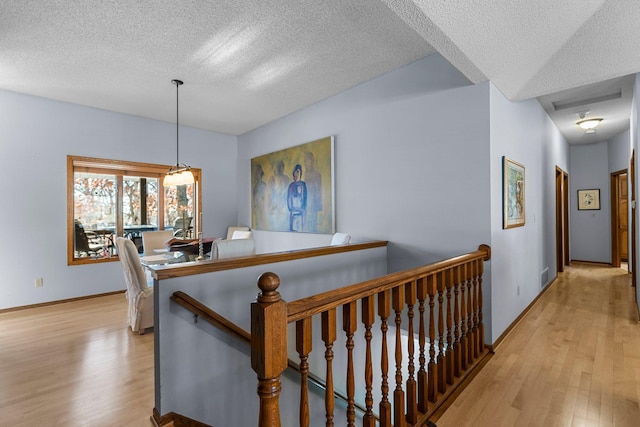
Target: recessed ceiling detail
[563,105]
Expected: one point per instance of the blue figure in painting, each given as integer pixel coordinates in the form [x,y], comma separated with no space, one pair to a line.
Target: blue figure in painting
[297,200]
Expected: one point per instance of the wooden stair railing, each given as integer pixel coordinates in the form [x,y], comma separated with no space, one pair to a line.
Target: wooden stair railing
[211,316]
[199,309]
[448,295]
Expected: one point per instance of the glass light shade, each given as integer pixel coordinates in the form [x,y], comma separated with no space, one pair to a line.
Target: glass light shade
[589,123]
[179,177]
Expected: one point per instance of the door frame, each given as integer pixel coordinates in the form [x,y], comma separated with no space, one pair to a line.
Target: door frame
[632,255]
[562,219]
[615,218]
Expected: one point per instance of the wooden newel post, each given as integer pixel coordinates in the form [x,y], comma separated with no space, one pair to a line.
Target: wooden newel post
[269,347]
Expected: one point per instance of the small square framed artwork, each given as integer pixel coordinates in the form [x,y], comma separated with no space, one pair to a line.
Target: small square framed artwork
[588,200]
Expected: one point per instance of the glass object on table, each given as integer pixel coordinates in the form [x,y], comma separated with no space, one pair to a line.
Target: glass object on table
[166,258]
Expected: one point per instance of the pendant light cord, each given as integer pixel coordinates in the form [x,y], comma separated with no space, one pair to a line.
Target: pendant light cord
[177,83]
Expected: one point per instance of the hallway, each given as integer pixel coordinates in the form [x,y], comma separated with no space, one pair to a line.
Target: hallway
[573,360]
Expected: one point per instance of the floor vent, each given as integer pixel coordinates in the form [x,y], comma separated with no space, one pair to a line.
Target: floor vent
[544,277]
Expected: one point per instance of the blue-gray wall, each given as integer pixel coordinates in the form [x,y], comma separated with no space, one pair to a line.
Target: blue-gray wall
[523,132]
[418,162]
[408,168]
[618,152]
[36,136]
[591,168]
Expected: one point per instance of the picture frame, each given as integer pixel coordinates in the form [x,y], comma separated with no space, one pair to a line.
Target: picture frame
[513,193]
[292,190]
[589,200]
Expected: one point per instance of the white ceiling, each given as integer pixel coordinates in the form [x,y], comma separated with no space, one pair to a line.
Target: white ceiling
[247,62]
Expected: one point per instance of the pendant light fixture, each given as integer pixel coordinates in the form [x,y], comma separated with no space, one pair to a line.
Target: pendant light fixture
[178,174]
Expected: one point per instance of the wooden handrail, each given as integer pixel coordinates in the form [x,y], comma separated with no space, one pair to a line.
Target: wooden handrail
[422,370]
[169,271]
[316,304]
[211,316]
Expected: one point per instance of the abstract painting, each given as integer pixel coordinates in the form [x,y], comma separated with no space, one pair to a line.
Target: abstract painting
[293,189]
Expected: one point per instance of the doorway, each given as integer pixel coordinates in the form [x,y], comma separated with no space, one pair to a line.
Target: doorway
[619,218]
[562,220]
[632,178]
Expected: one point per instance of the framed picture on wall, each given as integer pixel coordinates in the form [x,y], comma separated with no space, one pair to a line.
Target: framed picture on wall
[589,200]
[293,189]
[513,193]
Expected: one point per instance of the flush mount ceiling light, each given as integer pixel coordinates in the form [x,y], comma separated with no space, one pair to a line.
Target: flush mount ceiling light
[179,174]
[589,124]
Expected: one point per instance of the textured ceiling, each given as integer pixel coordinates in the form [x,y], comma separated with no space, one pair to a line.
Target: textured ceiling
[246,63]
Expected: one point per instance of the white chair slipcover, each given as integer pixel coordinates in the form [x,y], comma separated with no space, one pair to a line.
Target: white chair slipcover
[152,240]
[139,293]
[232,248]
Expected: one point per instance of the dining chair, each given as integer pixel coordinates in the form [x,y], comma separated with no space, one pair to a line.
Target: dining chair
[86,242]
[234,228]
[139,292]
[155,241]
[182,228]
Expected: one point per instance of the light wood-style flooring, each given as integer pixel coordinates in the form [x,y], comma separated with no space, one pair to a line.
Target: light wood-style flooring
[573,360]
[75,364]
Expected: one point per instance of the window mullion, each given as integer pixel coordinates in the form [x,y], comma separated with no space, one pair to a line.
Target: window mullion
[119,206]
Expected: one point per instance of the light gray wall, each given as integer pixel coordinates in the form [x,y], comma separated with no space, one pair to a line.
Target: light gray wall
[555,153]
[220,369]
[524,133]
[411,160]
[590,229]
[36,136]
[418,162]
[618,152]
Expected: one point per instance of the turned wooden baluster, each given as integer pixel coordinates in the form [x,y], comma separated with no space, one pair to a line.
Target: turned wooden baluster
[422,373]
[442,383]
[328,319]
[269,347]
[446,275]
[477,309]
[480,323]
[303,347]
[349,326]
[397,300]
[469,283]
[433,371]
[384,303]
[456,322]
[412,403]
[471,326]
[368,317]
[464,339]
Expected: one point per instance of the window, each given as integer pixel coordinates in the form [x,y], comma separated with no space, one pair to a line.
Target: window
[111,198]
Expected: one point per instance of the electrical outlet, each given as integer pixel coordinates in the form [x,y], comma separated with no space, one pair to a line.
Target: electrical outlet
[39,282]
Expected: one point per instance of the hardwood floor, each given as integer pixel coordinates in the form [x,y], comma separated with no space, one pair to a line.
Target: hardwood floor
[75,364]
[573,360]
